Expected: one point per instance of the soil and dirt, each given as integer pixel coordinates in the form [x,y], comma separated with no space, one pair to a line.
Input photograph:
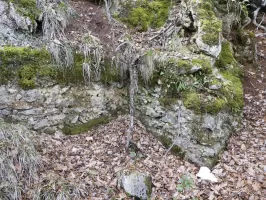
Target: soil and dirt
[91,18]
[93,158]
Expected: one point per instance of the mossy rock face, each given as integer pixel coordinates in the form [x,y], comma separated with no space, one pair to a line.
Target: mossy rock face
[203,136]
[192,101]
[82,128]
[233,92]
[16,56]
[179,75]
[27,8]
[143,14]
[210,24]
[22,64]
[226,61]
[204,64]
[27,66]
[167,142]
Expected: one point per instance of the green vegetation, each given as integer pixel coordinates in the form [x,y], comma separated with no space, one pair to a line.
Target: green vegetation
[144,13]
[185,183]
[81,128]
[226,57]
[109,74]
[215,105]
[179,82]
[27,8]
[192,101]
[73,74]
[176,75]
[22,63]
[26,66]
[204,103]
[27,76]
[211,25]
[232,90]
[204,64]
[11,55]
[167,101]
[226,61]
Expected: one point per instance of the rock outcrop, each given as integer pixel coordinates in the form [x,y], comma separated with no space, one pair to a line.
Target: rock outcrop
[51,109]
[194,98]
[18,22]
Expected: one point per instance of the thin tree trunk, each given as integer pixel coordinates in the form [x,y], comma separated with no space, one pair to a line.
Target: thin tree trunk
[107,9]
[132,88]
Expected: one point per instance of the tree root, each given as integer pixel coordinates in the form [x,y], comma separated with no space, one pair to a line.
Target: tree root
[258,25]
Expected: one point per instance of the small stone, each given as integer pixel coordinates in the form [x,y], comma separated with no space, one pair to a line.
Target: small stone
[21,105]
[18,97]
[49,131]
[152,112]
[5,112]
[41,124]
[75,119]
[32,95]
[243,147]
[89,139]
[215,87]
[135,183]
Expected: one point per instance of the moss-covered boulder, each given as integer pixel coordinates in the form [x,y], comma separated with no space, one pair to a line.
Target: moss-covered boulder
[194,101]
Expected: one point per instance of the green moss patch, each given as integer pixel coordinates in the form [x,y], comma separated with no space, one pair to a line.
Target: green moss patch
[27,76]
[201,102]
[226,60]
[167,101]
[22,63]
[210,24]
[71,75]
[192,101]
[15,56]
[232,91]
[204,64]
[26,66]
[144,13]
[82,128]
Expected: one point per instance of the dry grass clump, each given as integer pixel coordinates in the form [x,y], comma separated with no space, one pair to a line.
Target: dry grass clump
[19,160]
[61,53]
[54,187]
[55,18]
[93,56]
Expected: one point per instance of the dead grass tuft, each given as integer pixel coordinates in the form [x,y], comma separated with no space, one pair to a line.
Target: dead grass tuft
[19,160]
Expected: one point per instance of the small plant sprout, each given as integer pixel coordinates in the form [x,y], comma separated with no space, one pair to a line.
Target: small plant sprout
[186,183]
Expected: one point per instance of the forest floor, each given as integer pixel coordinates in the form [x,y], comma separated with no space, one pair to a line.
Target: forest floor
[93,158]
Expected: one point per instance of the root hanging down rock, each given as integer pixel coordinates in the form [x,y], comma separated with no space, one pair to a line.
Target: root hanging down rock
[258,25]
